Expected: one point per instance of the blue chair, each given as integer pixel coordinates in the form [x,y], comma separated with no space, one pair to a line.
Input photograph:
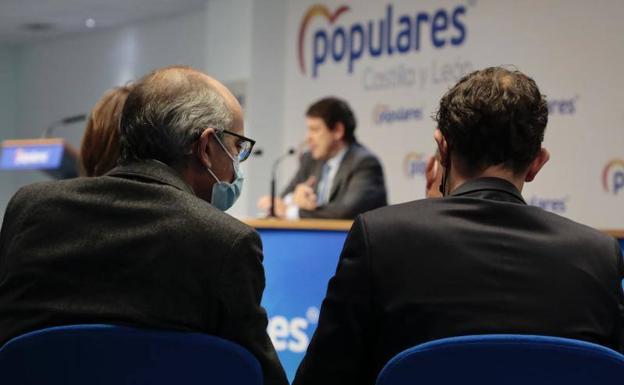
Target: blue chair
[505,359]
[107,354]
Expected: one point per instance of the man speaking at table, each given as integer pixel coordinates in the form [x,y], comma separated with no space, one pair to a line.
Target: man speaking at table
[477,261]
[338,178]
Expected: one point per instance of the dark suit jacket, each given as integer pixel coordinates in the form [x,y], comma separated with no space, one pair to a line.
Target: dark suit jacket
[134,247]
[357,187]
[479,261]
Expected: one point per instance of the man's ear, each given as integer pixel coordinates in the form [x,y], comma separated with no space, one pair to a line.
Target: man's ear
[536,165]
[431,171]
[203,147]
[442,146]
[339,131]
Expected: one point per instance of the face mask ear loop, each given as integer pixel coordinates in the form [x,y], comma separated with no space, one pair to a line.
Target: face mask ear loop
[447,173]
[224,149]
[226,152]
[213,175]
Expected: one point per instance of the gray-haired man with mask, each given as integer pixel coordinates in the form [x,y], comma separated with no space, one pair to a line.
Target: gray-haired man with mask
[147,244]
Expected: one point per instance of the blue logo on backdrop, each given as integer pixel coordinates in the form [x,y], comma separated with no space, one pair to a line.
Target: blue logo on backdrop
[555,205]
[292,334]
[562,106]
[389,35]
[613,176]
[414,164]
[382,113]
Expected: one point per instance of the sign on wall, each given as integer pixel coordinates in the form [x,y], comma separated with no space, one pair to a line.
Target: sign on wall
[392,61]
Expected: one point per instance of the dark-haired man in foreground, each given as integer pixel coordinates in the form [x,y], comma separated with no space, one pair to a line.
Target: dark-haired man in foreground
[479,260]
[147,244]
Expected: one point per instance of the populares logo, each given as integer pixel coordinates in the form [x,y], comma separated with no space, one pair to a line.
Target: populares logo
[388,35]
[383,113]
[565,106]
[613,176]
[556,205]
[414,164]
[292,334]
[313,11]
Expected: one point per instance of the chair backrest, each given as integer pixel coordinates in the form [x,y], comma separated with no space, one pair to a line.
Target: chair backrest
[505,359]
[107,354]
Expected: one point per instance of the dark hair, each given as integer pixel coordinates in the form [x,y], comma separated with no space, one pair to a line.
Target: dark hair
[333,110]
[493,116]
[99,151]
[166,112]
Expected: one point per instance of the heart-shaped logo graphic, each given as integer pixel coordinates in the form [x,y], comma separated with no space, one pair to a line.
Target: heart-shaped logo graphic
[313,11]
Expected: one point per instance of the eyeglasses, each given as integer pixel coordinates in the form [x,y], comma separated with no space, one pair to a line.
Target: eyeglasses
[243,144]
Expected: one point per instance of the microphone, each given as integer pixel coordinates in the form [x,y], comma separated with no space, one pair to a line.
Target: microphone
[63,122]
[74,119]
[276,163]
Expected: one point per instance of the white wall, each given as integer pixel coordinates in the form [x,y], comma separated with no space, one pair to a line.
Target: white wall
[228,39]
[266,95]
[67,76]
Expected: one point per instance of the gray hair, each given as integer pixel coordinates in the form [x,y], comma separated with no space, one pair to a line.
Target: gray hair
[166,113]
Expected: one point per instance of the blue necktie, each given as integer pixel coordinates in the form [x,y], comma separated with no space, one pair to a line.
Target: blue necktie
[322,195]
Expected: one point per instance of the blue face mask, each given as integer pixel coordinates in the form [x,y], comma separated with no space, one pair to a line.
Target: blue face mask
[224,194]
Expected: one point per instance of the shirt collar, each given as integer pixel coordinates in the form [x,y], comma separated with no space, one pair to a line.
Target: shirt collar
[335,160]
[490,188]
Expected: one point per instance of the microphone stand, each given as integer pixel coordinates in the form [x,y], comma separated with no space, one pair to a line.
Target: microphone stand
[274,179]
[65,121]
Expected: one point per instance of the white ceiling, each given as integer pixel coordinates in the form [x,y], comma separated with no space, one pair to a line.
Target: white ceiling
[68,16]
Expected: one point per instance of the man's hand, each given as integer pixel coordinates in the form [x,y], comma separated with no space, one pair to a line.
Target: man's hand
[264,204]
[304,195]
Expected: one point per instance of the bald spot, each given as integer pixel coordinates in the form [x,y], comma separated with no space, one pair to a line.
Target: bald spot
[178,76]
[506,81]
